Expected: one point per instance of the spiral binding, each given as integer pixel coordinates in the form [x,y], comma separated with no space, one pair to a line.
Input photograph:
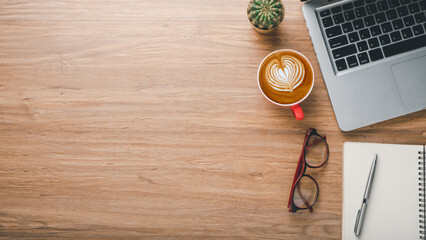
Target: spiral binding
[422,194]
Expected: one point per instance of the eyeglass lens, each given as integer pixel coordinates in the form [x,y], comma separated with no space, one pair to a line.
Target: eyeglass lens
[315,151]
[305,192]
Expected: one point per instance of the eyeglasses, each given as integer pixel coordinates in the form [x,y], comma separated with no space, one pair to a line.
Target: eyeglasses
[304,191]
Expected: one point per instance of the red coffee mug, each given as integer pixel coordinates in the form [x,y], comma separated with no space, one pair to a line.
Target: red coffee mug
[295,107]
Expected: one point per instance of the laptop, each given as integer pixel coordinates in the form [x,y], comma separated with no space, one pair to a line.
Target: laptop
[372,54]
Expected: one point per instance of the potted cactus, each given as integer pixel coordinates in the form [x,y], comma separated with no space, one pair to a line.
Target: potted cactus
[265,15]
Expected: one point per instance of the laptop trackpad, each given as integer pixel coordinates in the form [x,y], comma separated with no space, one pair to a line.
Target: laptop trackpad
[410,78]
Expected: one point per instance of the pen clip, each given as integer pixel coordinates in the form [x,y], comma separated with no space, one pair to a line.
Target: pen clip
[357,222]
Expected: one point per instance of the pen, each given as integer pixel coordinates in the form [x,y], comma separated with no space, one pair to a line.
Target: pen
[361,212]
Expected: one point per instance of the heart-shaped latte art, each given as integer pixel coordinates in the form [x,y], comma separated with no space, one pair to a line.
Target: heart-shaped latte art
[285,74]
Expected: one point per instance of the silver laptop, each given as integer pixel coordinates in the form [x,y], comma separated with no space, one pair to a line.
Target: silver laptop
[372,55]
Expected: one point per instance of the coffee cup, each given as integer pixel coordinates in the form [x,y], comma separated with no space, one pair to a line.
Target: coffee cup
[286,78]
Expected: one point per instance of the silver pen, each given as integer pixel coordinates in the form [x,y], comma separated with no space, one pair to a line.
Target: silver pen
[361,212]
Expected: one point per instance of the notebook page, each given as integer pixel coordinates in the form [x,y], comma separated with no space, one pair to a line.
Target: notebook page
[393,208]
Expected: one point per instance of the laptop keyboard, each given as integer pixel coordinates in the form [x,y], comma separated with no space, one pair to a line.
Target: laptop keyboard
[364,31]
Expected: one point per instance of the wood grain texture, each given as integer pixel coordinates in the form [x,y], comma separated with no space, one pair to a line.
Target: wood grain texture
[124,119]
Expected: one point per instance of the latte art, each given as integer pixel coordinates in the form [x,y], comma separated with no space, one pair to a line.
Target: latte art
[285,74]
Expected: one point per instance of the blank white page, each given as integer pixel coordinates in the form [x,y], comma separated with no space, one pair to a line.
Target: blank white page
[393,207]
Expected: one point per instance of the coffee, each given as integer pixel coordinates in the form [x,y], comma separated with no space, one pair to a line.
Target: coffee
[285,77]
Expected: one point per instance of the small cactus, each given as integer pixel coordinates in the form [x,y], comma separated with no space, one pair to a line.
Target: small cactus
[265,15]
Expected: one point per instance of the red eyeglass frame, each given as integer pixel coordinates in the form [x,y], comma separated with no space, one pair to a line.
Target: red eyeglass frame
[301,169]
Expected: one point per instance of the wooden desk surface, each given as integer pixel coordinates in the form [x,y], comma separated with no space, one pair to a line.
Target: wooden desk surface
[127,119]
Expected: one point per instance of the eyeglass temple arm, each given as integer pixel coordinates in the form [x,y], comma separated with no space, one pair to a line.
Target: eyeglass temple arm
[298,170]
[296,176]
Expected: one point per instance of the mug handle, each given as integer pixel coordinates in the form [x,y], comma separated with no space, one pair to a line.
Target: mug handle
[297,112]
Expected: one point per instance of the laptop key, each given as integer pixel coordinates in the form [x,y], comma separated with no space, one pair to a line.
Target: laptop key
[341,65]
[396,36]
[407,33]
[418,29]
[358,24]
[371,8]
[347,27]
[397,24]
[384,39]
[420,17]
[369,1]
[349,15]
[422,5]
[382,6]
[338,18]
[404,46]
[375,30]
[352,61]
[363,58]
[373,42]
[369,21]
[364,33]
[333,31]
[414,8]
[393,3]
[391,14]
[325,13]
[359,3]
[347,6]
[362,46]
[409,21]
[353,37]
[338,41]
[327,22]
[405,1]
[380,17]
[386,27]
[360,12]
[344,51]
[402,11]
[336,9]
[375,54]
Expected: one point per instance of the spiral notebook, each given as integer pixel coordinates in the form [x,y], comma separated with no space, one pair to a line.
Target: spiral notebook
[396,208]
